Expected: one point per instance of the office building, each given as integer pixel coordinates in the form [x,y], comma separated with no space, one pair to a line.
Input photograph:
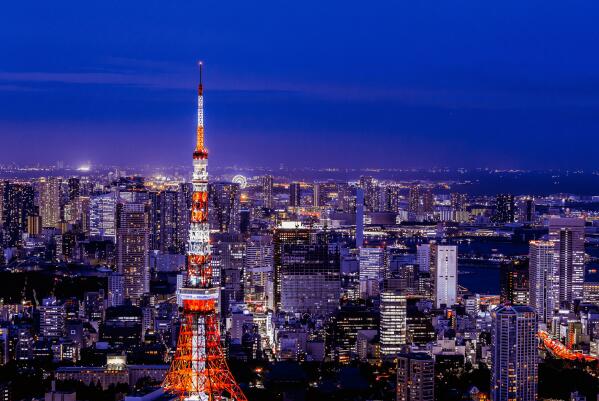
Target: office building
[504,209]
[116,290]
[267,195]
[567,234]
[513,282]
[52,318]
[310,279]
[258,272]
[514,370]
[224,207]
[543,279]
[444,274]
[295,194]
[132,249]
[415,377]
[372,270]
[102,223]
[286,235]
[393,322]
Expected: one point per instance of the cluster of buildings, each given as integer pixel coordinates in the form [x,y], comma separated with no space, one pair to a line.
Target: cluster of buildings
[329,271]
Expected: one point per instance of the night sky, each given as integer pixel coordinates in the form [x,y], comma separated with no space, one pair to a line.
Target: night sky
[323,83]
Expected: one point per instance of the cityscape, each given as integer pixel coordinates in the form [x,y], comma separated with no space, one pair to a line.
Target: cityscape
[294,276]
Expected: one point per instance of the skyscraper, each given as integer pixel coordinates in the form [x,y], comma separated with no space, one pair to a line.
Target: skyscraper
[359,218]
[49,202]
[393,322]
[224,207]
[52,318]
[415,377]
[258,271]
[423,257]
[116,290]
[316,194]
[102,217]
[514,370]
[266,182]
[444,273]
[567,234]
[504,209]
[286,236]
[310,279]
[513,282]
[372,270]
[18,205]
[543,279]
[74,188]
[371,194]
[295,194]
[133,249]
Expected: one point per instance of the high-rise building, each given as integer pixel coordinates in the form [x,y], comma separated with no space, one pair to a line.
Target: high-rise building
[526,210]
[372,270]
[423,257]
[74,188]
[316,195]
[392,196]
[224,206]
[543,279]
[295,194]
[116,290]
[371,193]
[164,218]
[266,183]
[258,271]
[415,377]
[132,249]
[102,223]
[514,370]
[310,279]
[52,318]
[444,274]
[228,259]
[286,236]
[393,322]
[359,218]
[568,236]
[49,201]
[420,201]
[513,282]
[504,209]
[18,205]
[346,323]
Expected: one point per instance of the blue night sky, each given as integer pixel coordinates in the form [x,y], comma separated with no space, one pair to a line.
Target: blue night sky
[323,83]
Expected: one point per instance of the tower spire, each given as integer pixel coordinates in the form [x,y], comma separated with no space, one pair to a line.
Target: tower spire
[199,370]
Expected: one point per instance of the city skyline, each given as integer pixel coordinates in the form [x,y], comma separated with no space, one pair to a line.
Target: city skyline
[428,86]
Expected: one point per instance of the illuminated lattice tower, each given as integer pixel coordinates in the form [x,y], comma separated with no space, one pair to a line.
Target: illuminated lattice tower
[199,370]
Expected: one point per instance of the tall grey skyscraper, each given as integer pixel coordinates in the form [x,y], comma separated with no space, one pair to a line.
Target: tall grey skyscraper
[133,249]
[514,370]
[543,279]
[568,236]
[415,377]
[444,272]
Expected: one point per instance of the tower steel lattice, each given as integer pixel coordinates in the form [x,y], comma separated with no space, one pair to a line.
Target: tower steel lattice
[199,370]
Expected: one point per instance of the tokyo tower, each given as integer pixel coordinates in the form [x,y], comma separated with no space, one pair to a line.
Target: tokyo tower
[199,371]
